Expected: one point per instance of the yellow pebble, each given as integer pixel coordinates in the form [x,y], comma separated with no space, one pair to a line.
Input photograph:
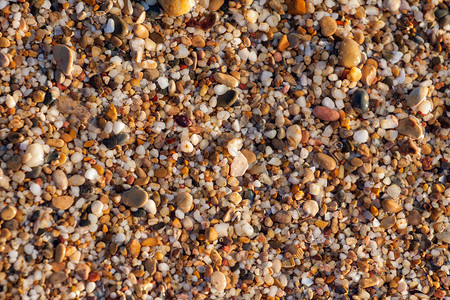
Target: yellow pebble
[354,74]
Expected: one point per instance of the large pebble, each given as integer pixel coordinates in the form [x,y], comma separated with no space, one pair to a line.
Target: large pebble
[239,165]
[4,60]
[349,53]
[361,136]
[410,127]
[214,5]
[218,281]
[34,156]
[311,207]
[227,99]
[360,99]
[226,79]
[391,206]
[325,161]
[392,5]
[120,26]
[62,202]
[325,113]
[8,213]
[282,217]
[328,26]
[60,253]
[184,201]
[243,228]
[368,74]
[135,197]
[417,96]
[64,58]
[60,179]
[294,135]
[176,8]
[369,282]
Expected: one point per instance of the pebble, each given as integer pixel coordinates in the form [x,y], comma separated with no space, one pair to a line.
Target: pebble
[297,7]
[239,165]
[64,57]
[388,222]
[410,127]
[214,5]
[294,135]
[325,161]
[226,79]
[34,156]
[134,197]
[97,207]
[184,201]
[391,206]
[444,237]
[120,26]
[349,53]
[361,136]
[227,99]
[326,114]
[392,5]
[414,218]
[134,248]
[368,74]
[311,207]
[4,60]
[60,253]
[369,282]
[176,8]
[151,266]
[62,202]
[57,278]
[283,217]
[60,179]
[4,42]
[122,138]
[328,26]
[360,99]
[8,213]
[417,96]
[211,234]
[249,155]
[218,281]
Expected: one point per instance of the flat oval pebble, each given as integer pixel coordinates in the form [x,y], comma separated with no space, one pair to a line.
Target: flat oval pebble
[64,57]
[349,53]
[135,197]
[328,26]
[294,135]
[4,60]
[325,161]
[360,99]
[226,79]
[8,213]
[239,165]
[62,202]
[325,113]
[184,201]
[60,179]
[218,281]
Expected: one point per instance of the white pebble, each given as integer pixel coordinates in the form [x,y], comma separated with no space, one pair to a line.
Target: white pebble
[361,136]
[97,207]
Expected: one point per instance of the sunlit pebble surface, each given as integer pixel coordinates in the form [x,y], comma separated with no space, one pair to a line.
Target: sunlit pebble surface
[246,150]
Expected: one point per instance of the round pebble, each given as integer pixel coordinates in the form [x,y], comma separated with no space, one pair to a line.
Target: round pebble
[134,197]
[349,53]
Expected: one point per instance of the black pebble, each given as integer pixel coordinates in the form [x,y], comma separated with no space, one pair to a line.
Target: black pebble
[360,99]
[110,143]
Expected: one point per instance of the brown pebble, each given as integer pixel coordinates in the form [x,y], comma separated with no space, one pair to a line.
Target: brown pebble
[8,213]
[62,202]
[328,26]
[60,253]
[325,161]
[325,113]
[134,248]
